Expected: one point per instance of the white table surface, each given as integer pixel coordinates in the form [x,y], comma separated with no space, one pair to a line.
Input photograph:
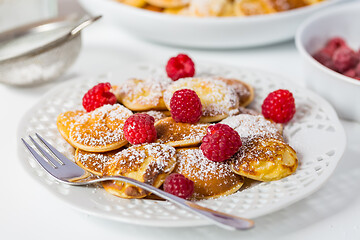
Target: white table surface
[28,211]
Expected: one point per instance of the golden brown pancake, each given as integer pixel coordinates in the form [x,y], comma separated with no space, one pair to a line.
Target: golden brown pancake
[148,163]
[94,162]
[142,95]
[244,91]
[252,7]
[217,98]
[265,159]
[66,120]
[100,130]
[211,179]
[179,134]
[209,8]
[168,3]
[134,3]
[254,126]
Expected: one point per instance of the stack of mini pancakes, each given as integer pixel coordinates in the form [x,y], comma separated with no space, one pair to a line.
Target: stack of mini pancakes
[102,149]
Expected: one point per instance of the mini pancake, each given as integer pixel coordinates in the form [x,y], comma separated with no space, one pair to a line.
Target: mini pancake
[94,162]
[179,134]
[217,98]
[286,5]
[211,179]
[148,163]
[243,110]
[142,95]
[168,3]
[264,159]
[244,91]
[252,7]
[100,130]
[153,8]
[209,8]
[254,126]
[134,3]
[65,122]
[176,10]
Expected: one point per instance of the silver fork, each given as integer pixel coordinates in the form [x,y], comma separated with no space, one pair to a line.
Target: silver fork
[66,171]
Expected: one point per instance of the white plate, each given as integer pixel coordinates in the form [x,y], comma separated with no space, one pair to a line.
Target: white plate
[210,32]
[315,133]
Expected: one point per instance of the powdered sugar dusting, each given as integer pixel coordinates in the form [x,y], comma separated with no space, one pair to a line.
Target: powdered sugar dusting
[146,92]
[68,119]
[157,115]
[133,157]
[196,166]
[253,126]
[93,161]
[101,127]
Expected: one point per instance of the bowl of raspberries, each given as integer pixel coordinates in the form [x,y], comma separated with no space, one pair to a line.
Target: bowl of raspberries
[329,44]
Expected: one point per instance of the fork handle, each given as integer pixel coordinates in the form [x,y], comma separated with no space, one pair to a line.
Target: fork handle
[223,220]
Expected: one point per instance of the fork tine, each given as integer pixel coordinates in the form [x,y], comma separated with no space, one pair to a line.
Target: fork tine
[58,154]
[39,158]
[51,160]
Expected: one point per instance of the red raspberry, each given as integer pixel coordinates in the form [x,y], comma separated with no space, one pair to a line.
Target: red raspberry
[279,106]
[334,43]
[180,66]
[178,185]
[325,58]
[185,106]
[358,55]
[344,58]
[139,128]
[350,73]
[357,70]
[98,96]
[220,142]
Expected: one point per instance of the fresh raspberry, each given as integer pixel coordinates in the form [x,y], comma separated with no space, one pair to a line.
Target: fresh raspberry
[358,55]
[350,73]
[279,106]
[98,96]
[179,67]
[139,128]
[334,43]
[220,142]
[357,70]
[178,185]
[325,58]
[185,106]
[344,58]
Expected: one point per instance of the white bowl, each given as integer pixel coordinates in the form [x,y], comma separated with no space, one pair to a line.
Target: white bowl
[341,91]
[227,32]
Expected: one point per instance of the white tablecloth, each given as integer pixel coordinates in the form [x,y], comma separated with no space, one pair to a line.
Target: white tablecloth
[28,211]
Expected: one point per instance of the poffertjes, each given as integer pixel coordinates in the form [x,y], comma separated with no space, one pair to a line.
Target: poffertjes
[65,122]
[148,163]
[100,130]
[142,95]
[179,134]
